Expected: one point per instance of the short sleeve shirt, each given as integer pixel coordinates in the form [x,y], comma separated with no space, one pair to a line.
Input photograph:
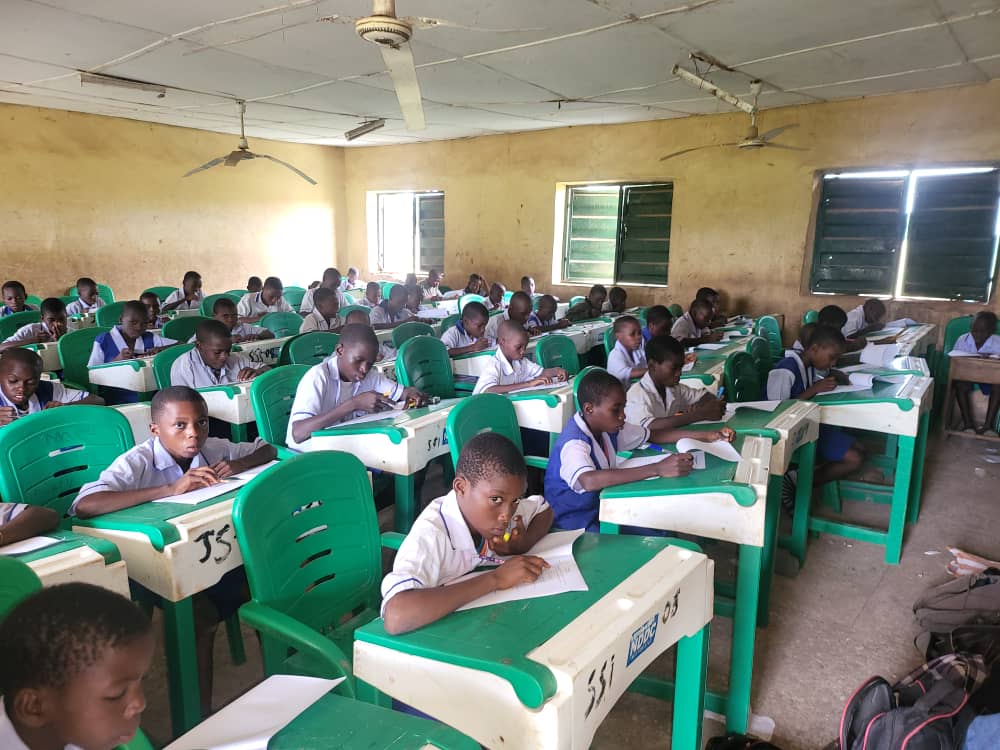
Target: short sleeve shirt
[685,328]
[621,362]
[178,296]
[643,402]
[966,343]
[190,369]
[253,305]
[577,456]
[500,371]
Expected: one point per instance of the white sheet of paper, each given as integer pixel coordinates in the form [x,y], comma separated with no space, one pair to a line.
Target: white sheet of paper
[563,574]
[697,459]
[875,354]
[250,721]
[688,366]
[527,389]
[374,416]
[862,378]
[902,323]
[28,545]
[433,312]
[848,389]
[207,493]
[956,353]
[711,347]
[720,448]
[768,406]
[637,461]
[730,335]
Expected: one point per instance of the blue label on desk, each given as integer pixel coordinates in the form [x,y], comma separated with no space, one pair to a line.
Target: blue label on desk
[642,639]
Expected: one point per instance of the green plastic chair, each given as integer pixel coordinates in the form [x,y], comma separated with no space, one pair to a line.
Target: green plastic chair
[507,295]
[281,323]
[163,361]
[67,298]
[467,298]
[162,292]
[106,293]
[348,309]
[810,316]
[448,322]
[312,348]
[293,296]
[576,300]
[349,298]
[311,548]
[10,323]
[676,311]
[49,455]
[109,314]
[758,348]
[33,299]
[741,378]
[271,395]
[609,340]
[208,303]
[534,303]
[238,293]
[485,412]
[387,288]
[74,352]
[554,350]
[576,383]
[444,289]
[407,331]
[17,582]
[182,328]
[423,362]
[768,328]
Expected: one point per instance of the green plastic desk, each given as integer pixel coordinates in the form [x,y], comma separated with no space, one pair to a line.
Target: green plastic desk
[546,409]
[134,375]
[231,404]
[78,559]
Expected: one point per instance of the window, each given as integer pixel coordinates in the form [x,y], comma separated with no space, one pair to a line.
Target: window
[410,231]
[924,233]
[617,234]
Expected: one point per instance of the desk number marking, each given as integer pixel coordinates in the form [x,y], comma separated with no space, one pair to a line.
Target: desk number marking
[598,683]
[671,609]
[433,443]
[223,547]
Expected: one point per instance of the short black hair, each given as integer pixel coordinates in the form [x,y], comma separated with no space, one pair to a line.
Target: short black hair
[487,455]
[394,287]
[222,303]
[658,314]
[330,273]
[175,394]
[705,292]
[210,328]
[510,328]
[322,294]
[617,293]
[988,317]
[523,296]
[623,320]
[191,276]
[363,314]
[22,356]
[525,280]
[85,281]
[52,305]
[548,299]
[475,311]
[596,386]
[60,631]
[665,348]
[598,288]
[356,334]
[135,306]
[827,336]
[254,280]
[700,304]
[15,285]
[832,315]
[371,284]
[806,332]
[875,305]
[149,295]
[273,282]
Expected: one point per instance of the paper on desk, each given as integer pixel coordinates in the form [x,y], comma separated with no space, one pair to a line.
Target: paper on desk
[207,493]
[720,448]
[902,323]
[637,461]
[374,416]
[543,386]
[875,354]
[249,722]
[563,574]
[433,312]
[847,389]
[710,347]
[769,406]
[688,366]
[28,545]
[957,353]
[730,335]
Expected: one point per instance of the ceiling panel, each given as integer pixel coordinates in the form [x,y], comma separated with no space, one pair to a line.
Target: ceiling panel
[468,83]
[979,36]
[951,76]
[18,70]
[345,97]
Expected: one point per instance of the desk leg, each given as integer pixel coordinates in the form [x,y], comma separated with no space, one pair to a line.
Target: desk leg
[806,456]
[690,677]
[900,497]
[406,502]
[182,665]
[744,635]
[772,514]
[917,480]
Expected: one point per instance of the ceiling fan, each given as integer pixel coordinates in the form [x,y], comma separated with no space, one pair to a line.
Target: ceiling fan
[243,153]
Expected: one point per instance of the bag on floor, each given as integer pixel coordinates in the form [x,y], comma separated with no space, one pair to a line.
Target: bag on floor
[926,710]
[961,616]
[739,742]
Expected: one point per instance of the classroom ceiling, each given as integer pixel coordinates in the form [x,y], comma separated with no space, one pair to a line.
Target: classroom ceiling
[513,65]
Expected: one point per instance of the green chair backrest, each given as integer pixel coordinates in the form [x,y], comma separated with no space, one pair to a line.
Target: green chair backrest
[160,291]
[406,331]
[271,395]
[10,323]
[769,329]
[467,298]
[741,378]
[69,298]
[294,295]
[49,455]
[33,299]
[349,298]
[676,310]
[163,361]
[507,295]
[553,350]
[609,340]
[444,289]
[448,322]
[74,353]
[534,303]
[576,300]
[109,314]
[576,383]
[282,323]
[17,582]
[423,362]
[208,303]
[485,412]
[348,309]
[758,348]
[810,316]
[183,327]
[238,293]
[106,293]
[387,288]
[312,348]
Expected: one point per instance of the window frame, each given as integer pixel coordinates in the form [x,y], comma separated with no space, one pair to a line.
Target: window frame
[376,238]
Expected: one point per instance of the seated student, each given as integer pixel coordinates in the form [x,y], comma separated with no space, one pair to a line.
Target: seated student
[87,299]
[660,400]
[14,295]
[51,327]
[23,392]
[373,294]
[590,307]
[351,281]
[518,310]
[224,310]
[254,284]
[129,339]
[799,375]
[410,280]
[835,317]
[543,319]
[212,362]
[475,285]
[584,459]
[331,280]
[528,286]
[464,530]
[864,319]
[617,300]
[467,335]
[357,317]
[712,297]
[269,299]
[692,327]
[152,303]
[494,300]
[802,341]
[413,300]
[430,288]
[74,657]
[325,315]
[509,370]
[389,313]
[188,297]
[19,521]
[982,340]
[342,387]
[627,359]
[658,322]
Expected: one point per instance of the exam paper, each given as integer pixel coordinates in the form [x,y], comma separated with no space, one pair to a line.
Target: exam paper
[847,389]
[207,493]
[875,354]
[249,722]
[902,323]
[720,448]
[433,312]
[769,406]
[528,389]
[374,416]
[28,545]
[711,347]
[688,366]
[637,461]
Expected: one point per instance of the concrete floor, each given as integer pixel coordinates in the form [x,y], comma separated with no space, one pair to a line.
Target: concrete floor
[845,616]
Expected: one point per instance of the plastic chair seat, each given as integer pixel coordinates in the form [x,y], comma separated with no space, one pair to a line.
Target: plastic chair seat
[110,314]
[311,348]
[14,321]
[467,298]
[74,352]
[768,328]
[162,292]
[485,412]
[348,309]
[208,303]
[741,378]
[183,328]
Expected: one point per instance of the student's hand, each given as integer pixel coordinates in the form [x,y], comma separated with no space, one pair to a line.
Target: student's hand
[247,373]
[677,465]
[537,382]
[842,378]
[370,401]
[516,545]
[690,358]
[564,323]
[54,334]
[481,344]
[714,336]
[710,408]
[125,353]
[7,415]
[414,396]
[194,479]
[517,570]
[825,385]
[54,404]
[224,469]
[558,375]
[726,433]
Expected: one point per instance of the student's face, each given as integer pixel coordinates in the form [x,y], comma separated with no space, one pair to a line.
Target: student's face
[663,327]
[13,298]
[597,298]
[618,303]
[333,281]
[981,331]
[489,505]
[351,277]
[824,357]
[329,308]
[413,300]
[87,292]
[433,278]
[475,326]
[713,300]
[397,298]
[133,325]
[701,316]
[253,286]
[873,313]
[215,351]
[228,316]
[55,322]
[665,374]
[513,346]
[519,310]
[630,336]
[609,414]
[546,309]
[357,316]
[528,286]
[19,382]
[152,309]
[355,361]
[271,295]
[182,428]
[373,294]
[496,293]
[192,285]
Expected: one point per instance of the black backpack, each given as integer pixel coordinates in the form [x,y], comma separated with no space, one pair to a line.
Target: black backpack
[739,742]
[962,615]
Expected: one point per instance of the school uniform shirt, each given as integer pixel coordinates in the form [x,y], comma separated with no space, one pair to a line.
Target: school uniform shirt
[150,465]
[790,377]
[646,335]
[500,371]
[190,369]
[488,304]
[535,321]
[321,390]
[241,330]
[8,512]
[5,311]
[380,314]
[643,402]
[346,286]
[108,345]
[855,321]
[439,549]
[307,300]
[314,321]
[966,343]
[492,331]
[367,302]
[621,362]
[426,292]
[685,328]
[178,296]
[30,332]
[47,392]
[252,305]
[79,307]
[456,337]
[583,311]
[576,452]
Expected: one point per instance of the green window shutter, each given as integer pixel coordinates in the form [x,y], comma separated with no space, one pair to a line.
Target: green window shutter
[591,234]
[951,240]
[859,230]
[644,239]
[430,231]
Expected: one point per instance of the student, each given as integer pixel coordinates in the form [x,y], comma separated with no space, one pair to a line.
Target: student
[509,370]
[584,459]
[982,340]
[617,300]
[692,327]
[467,335]
[430,288]
[152,303]
[14,295]
[19,521]
[590,307]
[269,299]
[188,297]
[129,339]
[254,285]
[211,362]
[518,310]
[494,300]
[351,281]
[801,342]
[325,315]
[414,296]
[864,319]
[800,376]
[475,285]
[23,392]
[331,280]
[465,530]
[627,359]
[528,286]
[343,386]
[410,280]
[543,319]
[87,299]
[51,328]
[373,294]
[72,662]
[357,317]
[658,322]
[389,313]
[712,297]
[224,310]
[659,400]
[835,317]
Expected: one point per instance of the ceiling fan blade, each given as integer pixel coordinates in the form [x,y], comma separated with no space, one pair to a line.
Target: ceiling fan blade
[696,148]
[235,157]
[777,131]
[423,22]
[787,148]
[206,165]
[399,62]
[299,172]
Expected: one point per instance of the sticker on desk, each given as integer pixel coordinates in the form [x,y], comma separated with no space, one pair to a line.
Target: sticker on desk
[33,544]
[642,638]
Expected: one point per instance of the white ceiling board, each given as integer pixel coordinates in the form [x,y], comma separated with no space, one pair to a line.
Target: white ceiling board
[979,37]
[952,76]
[626,8]
[17,70]
[484,119]
[468,83]
[961,7]
[990,67]
[345,97]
